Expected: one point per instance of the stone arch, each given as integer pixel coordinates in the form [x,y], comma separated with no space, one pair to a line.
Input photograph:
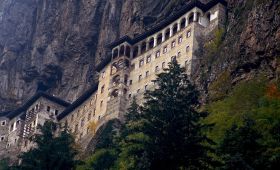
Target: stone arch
[183,23]
[135,52]
[151,43]
[122,50]
[191,18]
[167,33]
[175,28]
[115,53]
[159,38]
[143,47]
[127,51]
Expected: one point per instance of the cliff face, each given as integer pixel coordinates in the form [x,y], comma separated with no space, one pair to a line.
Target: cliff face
[250,48]
[54,45]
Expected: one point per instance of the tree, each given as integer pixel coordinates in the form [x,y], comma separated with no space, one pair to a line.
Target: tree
[51,152]
[174,127]
[240,147]
[133,142]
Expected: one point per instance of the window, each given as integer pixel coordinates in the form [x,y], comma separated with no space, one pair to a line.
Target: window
[173,58]
[18,121]
[163,65]
[102,89]
[36,107]
[2,138]
[83,122]
[158,54]
[56,112]
[148,59]
[173,44]
[138,91]
[180,39]
[187,48]
[165,49]
[3,123]
[89,116]
[146,87]
[179,54]
[188,34]
[157,69]
[101,103]
[130,82]
[48,108]
[103,74]
[140,78]
[147,73]
[129,96]
[141,63]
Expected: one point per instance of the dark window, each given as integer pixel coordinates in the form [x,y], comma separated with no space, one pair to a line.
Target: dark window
[173,44]
[158,54]
[140,77]
[3,123]
[180,39]
[56,112]
[102,89]
[165,49]
[157,69]
[130,82]
[48,108]
[147,73]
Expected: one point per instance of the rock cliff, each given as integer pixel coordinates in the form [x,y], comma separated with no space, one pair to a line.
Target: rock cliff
[54,45]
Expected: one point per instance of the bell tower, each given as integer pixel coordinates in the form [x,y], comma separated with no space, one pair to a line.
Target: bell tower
[118,86]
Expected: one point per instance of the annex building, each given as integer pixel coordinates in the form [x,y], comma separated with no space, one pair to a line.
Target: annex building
[128,71]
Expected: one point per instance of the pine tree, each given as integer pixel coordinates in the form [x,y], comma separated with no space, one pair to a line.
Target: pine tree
[174,124]
[133,141]
[51,152]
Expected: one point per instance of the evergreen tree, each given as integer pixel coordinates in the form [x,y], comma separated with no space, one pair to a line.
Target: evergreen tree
[166,133]
[133,141]
[174,128]
[240,148]
[51,152]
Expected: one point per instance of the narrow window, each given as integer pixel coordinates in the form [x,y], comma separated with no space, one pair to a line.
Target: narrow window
[102,89]
[146,87]
[129,96]
[158,54]
[173,44]
[2,138]
[83,122]
[101,103]
[157,69]
[148,59]
[89,116]
[130,82]
[48,108]
[140,78]
[141,63]
[188,34]
[147,73]
[56,112]
[179,54]
[180,39]
[138,91]
[103,74]
[3,123]
[173,58]
[164,49]
[187,48]
[163,65]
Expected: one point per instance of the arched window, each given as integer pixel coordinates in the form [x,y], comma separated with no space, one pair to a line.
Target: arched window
[163,65]
[159,39]
[151,43]
[135,52]
[199,17]
[143,47]
[127,51]
[175,28]
[157,69]
[191,18]
[116,80]
[140,77]
[208,15]
[122,50]
[115,53]
[183,23]
[167,34]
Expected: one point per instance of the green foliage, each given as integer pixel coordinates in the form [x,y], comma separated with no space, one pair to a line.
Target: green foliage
[52,152]
[4,164]
[102,159]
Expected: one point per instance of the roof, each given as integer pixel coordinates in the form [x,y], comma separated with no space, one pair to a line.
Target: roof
[78,102]
[161,25]
[4,114]
[33,99]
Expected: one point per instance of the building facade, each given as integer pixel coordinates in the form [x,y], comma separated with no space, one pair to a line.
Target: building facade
[129,70]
